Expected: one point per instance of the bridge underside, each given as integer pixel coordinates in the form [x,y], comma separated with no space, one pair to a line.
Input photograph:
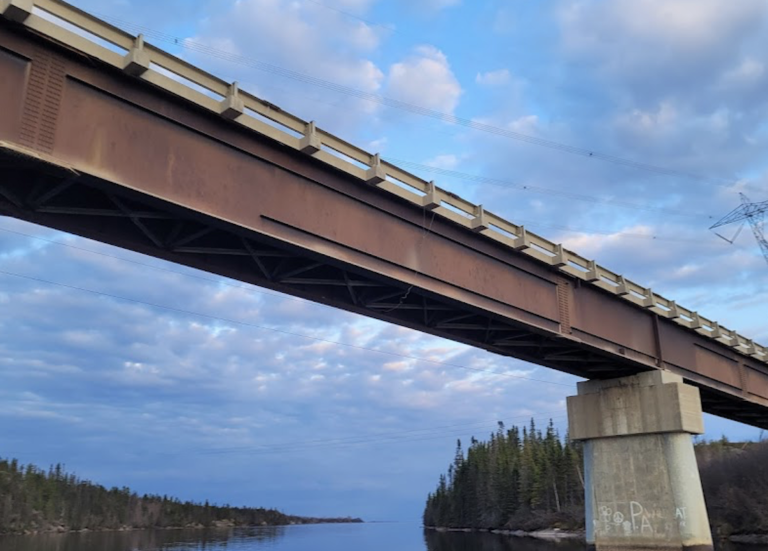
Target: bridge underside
[50,196]
[37,191]
[87,149]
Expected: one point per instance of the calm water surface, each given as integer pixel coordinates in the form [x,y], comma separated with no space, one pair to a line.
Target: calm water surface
[330,537]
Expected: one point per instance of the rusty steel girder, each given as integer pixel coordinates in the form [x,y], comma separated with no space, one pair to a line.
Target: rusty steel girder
[89,150]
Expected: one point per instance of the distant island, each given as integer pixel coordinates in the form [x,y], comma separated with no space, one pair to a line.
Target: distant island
[33,500]
[525,480]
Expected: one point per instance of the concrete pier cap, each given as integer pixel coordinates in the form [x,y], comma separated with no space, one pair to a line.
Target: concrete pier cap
[642,484]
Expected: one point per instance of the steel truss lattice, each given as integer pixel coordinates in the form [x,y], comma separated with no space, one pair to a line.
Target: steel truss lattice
[754,214]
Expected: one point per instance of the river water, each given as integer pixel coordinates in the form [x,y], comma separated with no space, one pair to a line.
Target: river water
[328,537]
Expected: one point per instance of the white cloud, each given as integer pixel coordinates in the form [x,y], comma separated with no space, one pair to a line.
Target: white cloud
[378,144]
[354,6]
[527,124]
[681,40]
[749,72]
[499,77]
[523,124]
[649,123]
[592,245]
[310,39]
[320,42]
[447,161]
[686,271]
[693,25]
[437,4]
[425,78]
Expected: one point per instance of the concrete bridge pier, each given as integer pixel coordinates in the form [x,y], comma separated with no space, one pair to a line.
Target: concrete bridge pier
[642,483]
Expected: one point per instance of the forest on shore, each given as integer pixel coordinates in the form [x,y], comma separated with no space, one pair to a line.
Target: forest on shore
[528,479]
[36,500]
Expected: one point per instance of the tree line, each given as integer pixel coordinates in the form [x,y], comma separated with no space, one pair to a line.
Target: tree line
[523,478]
[33,499]
[529,479]
[735,481]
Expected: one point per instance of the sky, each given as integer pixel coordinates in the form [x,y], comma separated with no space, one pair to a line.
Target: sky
[101,372]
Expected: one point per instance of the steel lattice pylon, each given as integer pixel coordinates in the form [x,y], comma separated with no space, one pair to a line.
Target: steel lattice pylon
[754,213]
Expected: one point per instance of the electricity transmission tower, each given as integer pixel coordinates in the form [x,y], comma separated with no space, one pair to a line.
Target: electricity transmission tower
[754,213]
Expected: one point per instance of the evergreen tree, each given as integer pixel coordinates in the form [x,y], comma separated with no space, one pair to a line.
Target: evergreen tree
[510,481]
[523,479]
[32,499]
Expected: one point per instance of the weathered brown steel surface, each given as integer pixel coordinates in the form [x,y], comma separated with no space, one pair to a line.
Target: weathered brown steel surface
[12,92]
[150,172]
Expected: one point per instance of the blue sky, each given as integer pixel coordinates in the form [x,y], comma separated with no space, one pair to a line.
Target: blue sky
[228,409]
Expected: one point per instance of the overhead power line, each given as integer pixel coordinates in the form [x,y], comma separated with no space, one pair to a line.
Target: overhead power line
[276,330]
[396,437]
[198,277]
[609,234]
[542,190]
[351,15]
[265,292]
[284,72]
[282,296]
[338,445]
[427,433]
[475,178]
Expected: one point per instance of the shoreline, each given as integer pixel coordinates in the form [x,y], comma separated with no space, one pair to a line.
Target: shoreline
[216,525]
[551,534]
[556,534]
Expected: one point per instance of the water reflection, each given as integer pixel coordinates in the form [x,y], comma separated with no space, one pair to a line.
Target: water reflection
[461,541]
[329,537]
[142,540]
